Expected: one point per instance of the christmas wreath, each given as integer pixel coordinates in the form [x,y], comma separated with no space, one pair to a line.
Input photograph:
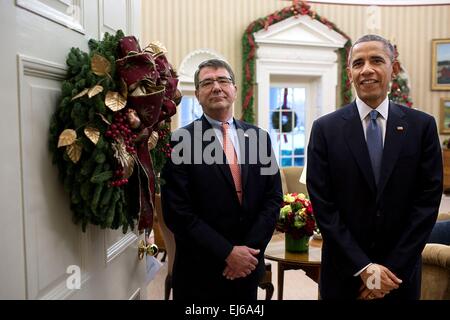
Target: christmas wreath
[287,116]
[109,135]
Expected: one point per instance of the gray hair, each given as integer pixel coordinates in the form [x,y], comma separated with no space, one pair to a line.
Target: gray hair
[215,64]
[373,37]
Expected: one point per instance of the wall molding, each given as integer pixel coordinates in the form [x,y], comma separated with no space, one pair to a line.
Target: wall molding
[136,295]
[75,20]
[118,247]
[61,292]
[39,68]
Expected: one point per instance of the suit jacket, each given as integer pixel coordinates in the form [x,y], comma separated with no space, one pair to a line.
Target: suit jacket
[360,222]
[201,208]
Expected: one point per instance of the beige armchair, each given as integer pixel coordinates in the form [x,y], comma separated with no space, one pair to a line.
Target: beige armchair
[290,180]
[436,270]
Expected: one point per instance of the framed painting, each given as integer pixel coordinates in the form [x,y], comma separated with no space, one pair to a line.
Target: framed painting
[445,116]
[440,64]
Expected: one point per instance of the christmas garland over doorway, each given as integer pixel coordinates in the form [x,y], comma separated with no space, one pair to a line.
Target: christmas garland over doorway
[249,54]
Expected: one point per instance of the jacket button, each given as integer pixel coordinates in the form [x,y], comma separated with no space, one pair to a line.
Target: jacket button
[372,245]
[378,214]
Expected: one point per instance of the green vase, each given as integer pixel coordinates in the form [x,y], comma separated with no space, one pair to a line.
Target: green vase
[296,245]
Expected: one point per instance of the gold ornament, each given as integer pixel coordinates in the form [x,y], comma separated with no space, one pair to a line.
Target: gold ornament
[124,158]
[100,65]
[92,133]
[153,140]
[67,137]
[74,151]
[115,101]
[133,119]
[79,95]
[95,90]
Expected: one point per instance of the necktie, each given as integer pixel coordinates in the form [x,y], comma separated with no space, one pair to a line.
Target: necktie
[231,155]
[375,144]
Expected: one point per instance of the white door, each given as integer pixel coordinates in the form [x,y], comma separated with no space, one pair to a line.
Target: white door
[40,247]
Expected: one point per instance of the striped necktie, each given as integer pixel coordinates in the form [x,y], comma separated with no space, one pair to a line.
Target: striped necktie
[231,155]
[375,144]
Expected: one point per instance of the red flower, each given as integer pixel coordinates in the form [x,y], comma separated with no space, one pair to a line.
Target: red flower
[296,216]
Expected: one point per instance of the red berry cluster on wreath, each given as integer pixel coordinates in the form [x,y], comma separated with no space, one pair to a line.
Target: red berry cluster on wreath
[118,174]
[121,128]
[165,148]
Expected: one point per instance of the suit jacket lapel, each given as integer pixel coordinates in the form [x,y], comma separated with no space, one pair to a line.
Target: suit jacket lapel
[357,143]
[392,144]
[223,166]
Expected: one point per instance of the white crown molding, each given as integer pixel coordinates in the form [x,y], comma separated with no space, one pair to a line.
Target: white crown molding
[383,2]
[300,31]
[189,64]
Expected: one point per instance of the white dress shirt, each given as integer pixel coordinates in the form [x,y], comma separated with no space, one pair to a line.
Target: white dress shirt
[217,126]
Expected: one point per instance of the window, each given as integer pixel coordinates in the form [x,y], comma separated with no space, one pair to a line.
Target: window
[189,110]
[287,125]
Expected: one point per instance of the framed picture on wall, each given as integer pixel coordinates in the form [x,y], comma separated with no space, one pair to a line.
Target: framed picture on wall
[445,116]
[440,65]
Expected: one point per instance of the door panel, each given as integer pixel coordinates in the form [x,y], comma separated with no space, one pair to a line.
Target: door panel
[39,242]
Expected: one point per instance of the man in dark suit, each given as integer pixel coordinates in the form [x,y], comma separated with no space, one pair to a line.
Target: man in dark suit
[221,196]
[375,181]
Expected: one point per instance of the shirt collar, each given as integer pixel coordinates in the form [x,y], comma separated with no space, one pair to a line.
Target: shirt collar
[364,109]
[218,124]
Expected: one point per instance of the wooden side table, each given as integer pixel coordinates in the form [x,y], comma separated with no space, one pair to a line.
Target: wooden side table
[307,261]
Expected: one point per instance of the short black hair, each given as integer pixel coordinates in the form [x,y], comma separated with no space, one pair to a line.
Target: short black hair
[215,64]
[373,37]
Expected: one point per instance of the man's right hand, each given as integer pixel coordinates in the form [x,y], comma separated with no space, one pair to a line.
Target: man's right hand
[240,262]
[378,274]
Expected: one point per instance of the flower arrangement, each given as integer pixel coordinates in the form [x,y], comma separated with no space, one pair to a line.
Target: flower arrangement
[296,216]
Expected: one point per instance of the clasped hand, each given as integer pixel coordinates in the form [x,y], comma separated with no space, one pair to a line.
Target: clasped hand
[378,281]
[240,262]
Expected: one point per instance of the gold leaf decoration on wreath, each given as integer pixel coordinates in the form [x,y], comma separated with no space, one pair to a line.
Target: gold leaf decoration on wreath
[92,133]
[67,137]
[124,158]
[95,90]
[79,95]
[153,140]
[100,65]
[157,48]
[74,151]
[104,119]
[115,101]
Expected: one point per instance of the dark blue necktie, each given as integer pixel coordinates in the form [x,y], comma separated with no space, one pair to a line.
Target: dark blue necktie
[374,144]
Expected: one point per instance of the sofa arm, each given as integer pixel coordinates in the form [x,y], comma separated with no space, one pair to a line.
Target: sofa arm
[443,216]
[436,254]
[435,272]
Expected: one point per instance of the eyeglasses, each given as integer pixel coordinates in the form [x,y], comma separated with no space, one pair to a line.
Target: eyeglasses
[209,83]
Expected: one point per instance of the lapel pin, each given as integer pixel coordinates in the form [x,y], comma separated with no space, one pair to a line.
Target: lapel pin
[400,128]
